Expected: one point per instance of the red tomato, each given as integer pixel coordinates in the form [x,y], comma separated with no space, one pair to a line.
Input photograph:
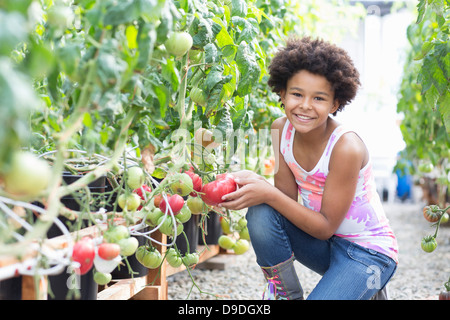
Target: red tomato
[196,181]
[108,251]
[84,253]
[215,190]
[141,192]
[176,202]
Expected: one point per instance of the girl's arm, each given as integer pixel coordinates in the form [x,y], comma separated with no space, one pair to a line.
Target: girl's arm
[348,157]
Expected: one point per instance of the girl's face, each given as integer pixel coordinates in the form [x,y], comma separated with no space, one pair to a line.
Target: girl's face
[308,100]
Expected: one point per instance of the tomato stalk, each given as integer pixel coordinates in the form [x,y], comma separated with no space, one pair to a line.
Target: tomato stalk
[438,223]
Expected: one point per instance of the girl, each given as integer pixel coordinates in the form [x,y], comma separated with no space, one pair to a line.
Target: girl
[339,228]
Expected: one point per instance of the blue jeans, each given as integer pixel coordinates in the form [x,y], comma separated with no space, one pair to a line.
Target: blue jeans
[349,271]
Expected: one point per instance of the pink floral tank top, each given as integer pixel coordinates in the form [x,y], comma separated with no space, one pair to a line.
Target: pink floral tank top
[365,223]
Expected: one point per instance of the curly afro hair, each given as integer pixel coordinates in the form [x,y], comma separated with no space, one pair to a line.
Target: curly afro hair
[318,57]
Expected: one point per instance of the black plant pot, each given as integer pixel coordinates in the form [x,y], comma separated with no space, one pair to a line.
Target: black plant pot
[213,229]
[191,229]
[97,187]
[60,283]
[11,289]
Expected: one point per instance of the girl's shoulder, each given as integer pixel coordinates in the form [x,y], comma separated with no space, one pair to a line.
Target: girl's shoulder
[349,148]
[279,123]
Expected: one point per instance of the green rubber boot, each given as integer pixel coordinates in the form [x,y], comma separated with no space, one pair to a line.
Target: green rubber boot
[282,282]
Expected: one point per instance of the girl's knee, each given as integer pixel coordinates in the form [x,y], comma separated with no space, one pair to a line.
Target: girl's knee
[260,218]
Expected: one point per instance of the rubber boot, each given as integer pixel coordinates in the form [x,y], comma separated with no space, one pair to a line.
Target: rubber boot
[282,282]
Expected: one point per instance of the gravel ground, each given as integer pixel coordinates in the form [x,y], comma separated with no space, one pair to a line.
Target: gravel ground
[419,275]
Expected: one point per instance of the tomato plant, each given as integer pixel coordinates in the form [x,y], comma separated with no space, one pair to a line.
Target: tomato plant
[118,81]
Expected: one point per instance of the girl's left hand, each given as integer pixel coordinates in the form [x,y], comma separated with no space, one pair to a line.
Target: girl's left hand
[252,190]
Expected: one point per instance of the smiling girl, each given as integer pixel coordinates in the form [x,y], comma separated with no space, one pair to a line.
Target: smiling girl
[338,228]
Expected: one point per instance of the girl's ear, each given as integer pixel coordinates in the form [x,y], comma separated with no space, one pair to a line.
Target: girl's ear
[336,105]
[283,96]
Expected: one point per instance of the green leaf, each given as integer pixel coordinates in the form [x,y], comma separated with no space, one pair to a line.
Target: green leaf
[211,54]
[248,69]
[249,29]
[239,8]
[421,7]
[171,74]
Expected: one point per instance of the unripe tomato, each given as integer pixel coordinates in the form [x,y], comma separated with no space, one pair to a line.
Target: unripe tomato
[115,233]
[135,177]
[153,216]
[102,278]
[226,242]
[190,259]
[129,201]
[148,257]
[198,96]
[428,244]
[178,43]
[195,204]
[241,246]
[167,227]
[28,175]
[174,258]
[128,246]
[181,183]
[184,215]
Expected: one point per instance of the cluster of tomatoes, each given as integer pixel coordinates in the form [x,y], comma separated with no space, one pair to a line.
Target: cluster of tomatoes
[434,214]
[167,207]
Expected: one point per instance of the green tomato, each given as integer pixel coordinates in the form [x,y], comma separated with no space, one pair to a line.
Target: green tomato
[153,216]
[130,201]
[226,242]
[190,259]
[149,258]
[181,184]
[241,246]
[27,176]
[102,278]
[184,215]
[198,96]
[178,43]
[174,258]
[128,246]
[135,177]
[116,233]
[167,227]
[243,234]
[428,244]
[195,204]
